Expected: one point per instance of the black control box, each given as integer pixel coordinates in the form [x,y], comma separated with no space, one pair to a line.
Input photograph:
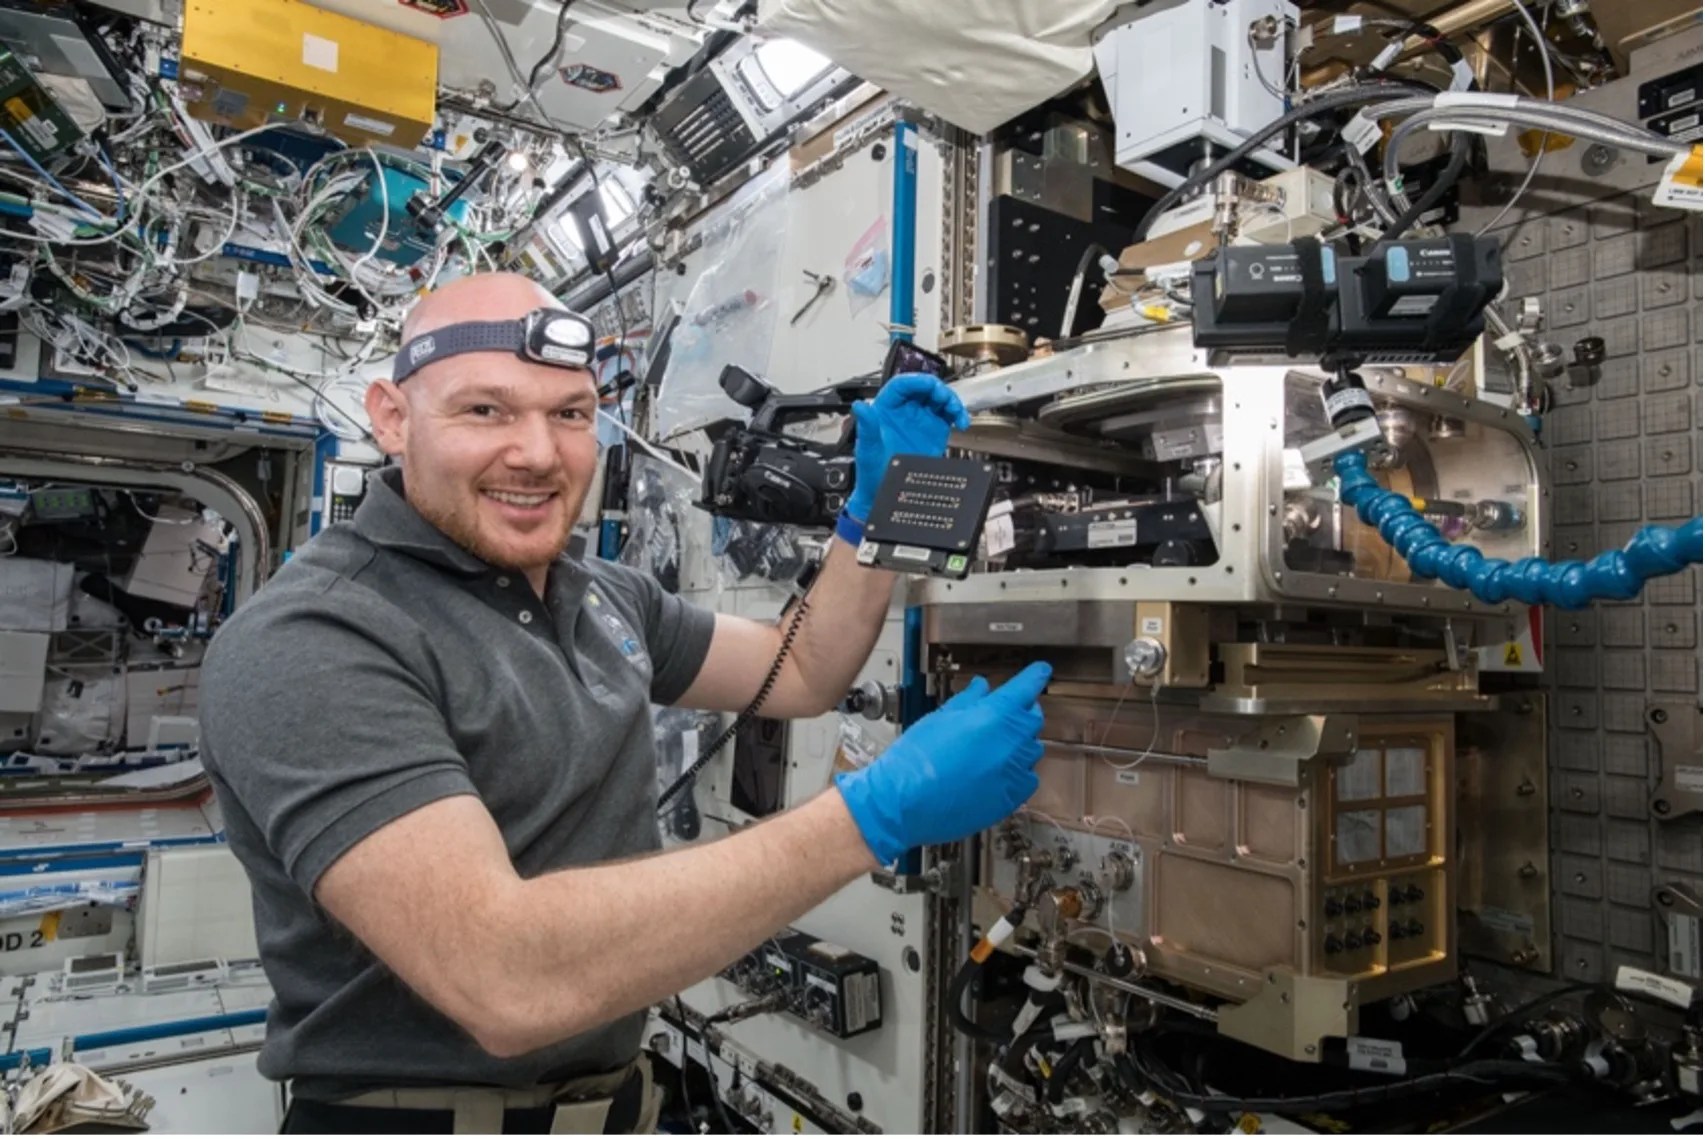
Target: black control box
[829,987]
[928,515]
[1404,302]
[1408,278]
[1261,283]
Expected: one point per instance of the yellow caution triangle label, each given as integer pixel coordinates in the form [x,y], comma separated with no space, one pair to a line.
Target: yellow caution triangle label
[1512,655]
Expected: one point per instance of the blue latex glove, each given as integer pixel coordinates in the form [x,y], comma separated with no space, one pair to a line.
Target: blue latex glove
[912,415]
[959,770]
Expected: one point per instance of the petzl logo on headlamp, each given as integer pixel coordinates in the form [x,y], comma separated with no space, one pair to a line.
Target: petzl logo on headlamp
[420,350]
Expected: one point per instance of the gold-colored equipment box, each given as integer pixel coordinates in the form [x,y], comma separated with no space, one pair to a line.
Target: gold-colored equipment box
[248,62]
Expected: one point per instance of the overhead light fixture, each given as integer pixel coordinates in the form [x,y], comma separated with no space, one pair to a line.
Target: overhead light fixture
[518,161]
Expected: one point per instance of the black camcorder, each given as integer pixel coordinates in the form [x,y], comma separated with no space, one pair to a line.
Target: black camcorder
[760,473]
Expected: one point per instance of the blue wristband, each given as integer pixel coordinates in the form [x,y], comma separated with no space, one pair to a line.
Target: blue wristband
[849,530]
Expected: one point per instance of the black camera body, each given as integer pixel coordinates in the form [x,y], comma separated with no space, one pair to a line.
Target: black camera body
[760,473]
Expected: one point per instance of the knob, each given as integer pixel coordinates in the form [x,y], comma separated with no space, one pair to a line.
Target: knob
[1352,942]
[873,700]
[1395,931]
[1370,901]
[1334,907]
[1412,894]
[1370,936]
[1352,905]
[1145,657]
[1333,945]
[1414,928]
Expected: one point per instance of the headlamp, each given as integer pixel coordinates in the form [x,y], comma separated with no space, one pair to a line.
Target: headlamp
[552,336]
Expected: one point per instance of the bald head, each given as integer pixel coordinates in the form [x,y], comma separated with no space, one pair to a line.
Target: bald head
[498,451]
[483,296]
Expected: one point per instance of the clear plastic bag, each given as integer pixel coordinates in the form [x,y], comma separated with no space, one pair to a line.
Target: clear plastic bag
[757,550]
[858,743]
[660,510]
[867,269]
[730,314]
[79,712]
[678,735]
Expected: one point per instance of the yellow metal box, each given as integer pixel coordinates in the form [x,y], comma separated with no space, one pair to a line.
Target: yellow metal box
[247,62]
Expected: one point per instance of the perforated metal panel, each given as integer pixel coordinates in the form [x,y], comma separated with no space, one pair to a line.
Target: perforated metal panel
[1623,453]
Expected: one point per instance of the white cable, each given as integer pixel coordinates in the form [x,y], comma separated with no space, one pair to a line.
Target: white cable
[1065,835]
[238,200]
[1539,43]
[1094,823]
[1154,738]
[1255,60]
[384,219]
[140,196]
[137,506]
[646,447]
[164,316]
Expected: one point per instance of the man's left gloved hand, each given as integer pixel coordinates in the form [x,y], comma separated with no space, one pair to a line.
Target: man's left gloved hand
[912,415]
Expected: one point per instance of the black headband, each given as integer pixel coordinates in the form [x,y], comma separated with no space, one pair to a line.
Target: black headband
[552,336]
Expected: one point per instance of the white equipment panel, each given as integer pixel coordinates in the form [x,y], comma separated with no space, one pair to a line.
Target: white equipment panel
[222,1095]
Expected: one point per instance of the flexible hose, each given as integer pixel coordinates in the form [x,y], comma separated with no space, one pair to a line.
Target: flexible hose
[1078,278]
[1459,148]
[968,970]
[1336,100]
[1012,1062]
[1616,575]
[973,966]
[1590,130]
[1076,1057]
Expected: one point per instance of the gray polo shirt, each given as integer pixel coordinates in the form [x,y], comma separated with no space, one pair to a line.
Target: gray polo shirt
[383,668]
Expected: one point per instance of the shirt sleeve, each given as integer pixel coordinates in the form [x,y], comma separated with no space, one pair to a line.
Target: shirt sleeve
[319,715]
[677,633]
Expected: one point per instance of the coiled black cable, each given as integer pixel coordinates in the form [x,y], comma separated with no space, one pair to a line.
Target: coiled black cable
[708,752]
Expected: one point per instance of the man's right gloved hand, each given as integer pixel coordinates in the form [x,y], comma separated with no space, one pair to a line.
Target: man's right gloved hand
[959,770]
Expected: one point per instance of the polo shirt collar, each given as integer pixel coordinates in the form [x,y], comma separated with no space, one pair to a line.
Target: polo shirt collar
[388,520]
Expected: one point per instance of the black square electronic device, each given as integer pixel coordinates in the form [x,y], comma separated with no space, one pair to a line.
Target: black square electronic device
[928,515]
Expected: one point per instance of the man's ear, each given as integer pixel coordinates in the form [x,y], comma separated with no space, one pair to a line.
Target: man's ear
[387,410]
